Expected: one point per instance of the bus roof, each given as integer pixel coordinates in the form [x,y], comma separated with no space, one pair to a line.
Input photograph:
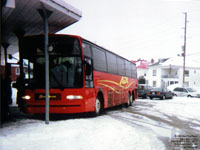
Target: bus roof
[107,50]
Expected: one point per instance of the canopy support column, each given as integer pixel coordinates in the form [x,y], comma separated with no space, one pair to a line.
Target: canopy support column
[20,34]
[5,46]
[45,14]
[6,99]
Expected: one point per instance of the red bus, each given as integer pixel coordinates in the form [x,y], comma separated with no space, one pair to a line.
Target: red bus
[83,77]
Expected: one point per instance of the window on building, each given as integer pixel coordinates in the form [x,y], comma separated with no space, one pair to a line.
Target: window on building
[17,71]
[186,83]
[154,72]
[187,73]
[154,83]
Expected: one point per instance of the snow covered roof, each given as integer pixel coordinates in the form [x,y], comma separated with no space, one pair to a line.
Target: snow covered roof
[142,64]
[178,61]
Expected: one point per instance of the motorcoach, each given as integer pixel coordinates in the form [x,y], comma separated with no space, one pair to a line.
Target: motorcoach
[83,77]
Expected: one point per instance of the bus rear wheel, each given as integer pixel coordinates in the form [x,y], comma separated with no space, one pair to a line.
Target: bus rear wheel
[130,101]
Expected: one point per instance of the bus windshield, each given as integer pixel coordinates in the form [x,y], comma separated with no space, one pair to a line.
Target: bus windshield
[65,63]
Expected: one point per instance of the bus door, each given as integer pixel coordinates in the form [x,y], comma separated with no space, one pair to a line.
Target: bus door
[89,84]
[88,73]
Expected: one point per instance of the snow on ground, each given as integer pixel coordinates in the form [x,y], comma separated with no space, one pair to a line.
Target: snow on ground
[136,128]
[181,107]
[98,133]
[185,108]
[171,113]
[164,119]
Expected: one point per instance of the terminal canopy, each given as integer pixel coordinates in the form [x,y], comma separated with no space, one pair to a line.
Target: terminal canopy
[22,17]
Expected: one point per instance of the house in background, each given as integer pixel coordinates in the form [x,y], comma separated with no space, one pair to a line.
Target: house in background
[142,70]
[169,71]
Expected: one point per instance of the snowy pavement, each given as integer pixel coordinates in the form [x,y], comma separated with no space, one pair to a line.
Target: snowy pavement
[147,125]
[164,119]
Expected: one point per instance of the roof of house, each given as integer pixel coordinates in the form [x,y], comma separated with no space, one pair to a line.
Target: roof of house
[177,61]
[142,64]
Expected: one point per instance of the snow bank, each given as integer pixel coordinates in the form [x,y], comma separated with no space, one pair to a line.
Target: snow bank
[101,133]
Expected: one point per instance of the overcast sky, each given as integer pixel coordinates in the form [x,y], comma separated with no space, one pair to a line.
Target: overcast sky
[139,28]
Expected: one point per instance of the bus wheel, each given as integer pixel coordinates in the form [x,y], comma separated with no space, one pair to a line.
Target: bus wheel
[130,99]
[129,103]
[98,107]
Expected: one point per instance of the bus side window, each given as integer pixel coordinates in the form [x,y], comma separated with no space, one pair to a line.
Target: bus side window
[128,68]
[99,59]
[121,66]
[86,49]
[88,73]
[133,71]
[112,62]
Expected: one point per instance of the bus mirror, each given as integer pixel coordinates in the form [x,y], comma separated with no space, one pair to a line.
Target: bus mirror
[88,69]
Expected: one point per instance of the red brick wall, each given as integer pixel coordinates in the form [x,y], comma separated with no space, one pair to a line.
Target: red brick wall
[13,72]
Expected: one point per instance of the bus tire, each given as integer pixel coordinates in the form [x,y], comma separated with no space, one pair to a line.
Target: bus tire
[98,107]
[129,103]
[131,100]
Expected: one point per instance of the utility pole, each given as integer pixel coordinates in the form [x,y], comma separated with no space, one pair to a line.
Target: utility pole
[184,50]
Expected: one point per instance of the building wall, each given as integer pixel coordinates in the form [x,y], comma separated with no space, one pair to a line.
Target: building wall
[14,72]
[194,77]
[159,78]
[142,72]
[154,76]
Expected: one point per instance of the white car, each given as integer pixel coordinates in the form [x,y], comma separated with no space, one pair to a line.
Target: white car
[186,91]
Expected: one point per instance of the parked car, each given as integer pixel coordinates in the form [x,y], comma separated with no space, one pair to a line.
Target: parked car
[162,93]
[186,91]
[143,89]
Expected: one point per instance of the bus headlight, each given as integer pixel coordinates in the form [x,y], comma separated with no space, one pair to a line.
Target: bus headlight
[72,97]
[26,97]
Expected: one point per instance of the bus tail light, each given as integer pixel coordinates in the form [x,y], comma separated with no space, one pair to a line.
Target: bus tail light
[73,97]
